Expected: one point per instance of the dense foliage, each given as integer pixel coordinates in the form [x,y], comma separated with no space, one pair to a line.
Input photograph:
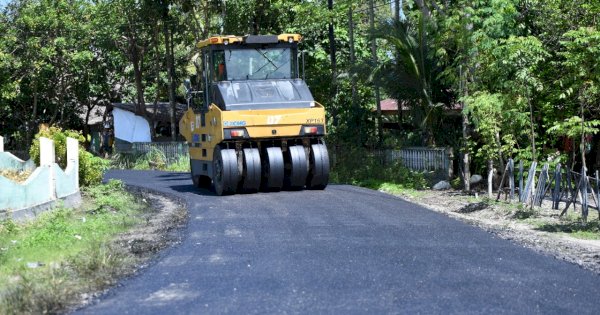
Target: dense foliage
[520,72]
[91,168]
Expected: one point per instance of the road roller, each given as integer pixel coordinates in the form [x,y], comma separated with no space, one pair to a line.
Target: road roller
[252,123]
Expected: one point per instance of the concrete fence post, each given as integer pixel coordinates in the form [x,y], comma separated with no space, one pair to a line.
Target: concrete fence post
[47,159]
[1,144]
[47,152]
[73,155]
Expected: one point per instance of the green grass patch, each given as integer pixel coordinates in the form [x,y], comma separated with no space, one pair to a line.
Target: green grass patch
[357,166]
[46,263]
[577,229]
[153,160]
[392,188]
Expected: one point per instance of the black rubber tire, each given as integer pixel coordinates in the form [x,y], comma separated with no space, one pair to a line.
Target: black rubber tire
[273,169]
[225,171]
[318,176]
[252,171]
[195,178]
[296,168]
[199,181]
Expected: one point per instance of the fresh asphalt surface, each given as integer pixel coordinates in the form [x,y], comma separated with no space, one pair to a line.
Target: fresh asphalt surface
[344,250]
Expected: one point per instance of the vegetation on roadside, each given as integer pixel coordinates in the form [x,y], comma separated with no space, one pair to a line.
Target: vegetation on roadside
[46,264]
[153,160]
[358,166]
[91,168]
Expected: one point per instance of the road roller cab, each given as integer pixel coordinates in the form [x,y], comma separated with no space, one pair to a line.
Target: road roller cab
[254,125]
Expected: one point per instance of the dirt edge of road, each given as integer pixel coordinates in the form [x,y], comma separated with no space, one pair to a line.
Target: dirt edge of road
[166,218]
[500,218]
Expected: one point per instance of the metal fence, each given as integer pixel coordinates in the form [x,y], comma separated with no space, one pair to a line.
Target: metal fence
[171,150]
[558,185]
[421,159]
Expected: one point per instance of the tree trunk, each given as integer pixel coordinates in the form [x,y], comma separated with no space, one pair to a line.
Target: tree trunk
[376,80]
[170,61]
[355,110]
[140,106]
[465,134]
[532,128]
[30,124]
[501,164]
[490,178]
[332,56]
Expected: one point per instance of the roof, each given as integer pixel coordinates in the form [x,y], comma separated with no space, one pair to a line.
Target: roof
[96,115]
[249,39]
[162,111]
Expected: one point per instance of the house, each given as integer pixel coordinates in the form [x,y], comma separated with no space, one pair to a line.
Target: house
[389,108]
[118,124]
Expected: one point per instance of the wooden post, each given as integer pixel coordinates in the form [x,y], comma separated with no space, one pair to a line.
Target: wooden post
[511,178]
[584,194]
[598,193]
[501,187]
[573,198]
[520,180]
[556,193]
[540,190]
[569,184]
[530,182]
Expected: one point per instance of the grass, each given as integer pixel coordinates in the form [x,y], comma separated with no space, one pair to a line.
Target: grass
[571,224]
[153,160]
[46,263]
[357,166]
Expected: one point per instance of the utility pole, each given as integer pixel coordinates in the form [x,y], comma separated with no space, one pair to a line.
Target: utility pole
[375,80]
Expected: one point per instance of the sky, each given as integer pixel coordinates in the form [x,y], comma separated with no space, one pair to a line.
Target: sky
[3,3]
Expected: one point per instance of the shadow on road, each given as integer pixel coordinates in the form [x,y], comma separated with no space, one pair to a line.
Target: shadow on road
[191,189]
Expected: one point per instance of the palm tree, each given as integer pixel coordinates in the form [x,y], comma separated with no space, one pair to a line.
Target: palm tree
[408,76]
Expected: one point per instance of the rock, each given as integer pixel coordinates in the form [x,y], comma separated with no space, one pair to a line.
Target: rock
[475,179]
[442,185]
[34,265]
[472,207]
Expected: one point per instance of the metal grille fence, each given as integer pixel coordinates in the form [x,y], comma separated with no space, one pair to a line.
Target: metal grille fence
[171,150]
[423,159]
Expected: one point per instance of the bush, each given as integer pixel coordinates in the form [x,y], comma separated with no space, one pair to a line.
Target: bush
[91,168]
[153,160]
[358,166]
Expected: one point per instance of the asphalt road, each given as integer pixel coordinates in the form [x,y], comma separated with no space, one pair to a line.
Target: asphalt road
[345,250]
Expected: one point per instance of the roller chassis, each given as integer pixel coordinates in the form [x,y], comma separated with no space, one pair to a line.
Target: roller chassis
[264,165]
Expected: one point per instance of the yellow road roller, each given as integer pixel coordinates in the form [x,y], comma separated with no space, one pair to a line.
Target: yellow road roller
[254,125]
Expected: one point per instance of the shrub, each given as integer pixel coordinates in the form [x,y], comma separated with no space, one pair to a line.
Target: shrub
[358,166]
[91,168]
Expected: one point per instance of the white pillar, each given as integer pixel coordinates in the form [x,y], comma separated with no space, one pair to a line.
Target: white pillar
[47,159]
[73,155]
[72,149]
[47,152]
[1,144]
